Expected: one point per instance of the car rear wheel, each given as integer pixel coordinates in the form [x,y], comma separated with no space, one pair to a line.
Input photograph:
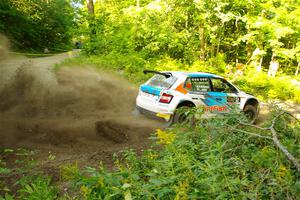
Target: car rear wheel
[251,113]
[182,116]
[178,117]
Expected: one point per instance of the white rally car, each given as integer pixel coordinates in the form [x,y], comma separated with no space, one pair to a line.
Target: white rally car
[165,92]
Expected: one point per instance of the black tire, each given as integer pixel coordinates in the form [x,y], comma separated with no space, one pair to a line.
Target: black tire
[251,113]
[169,122]
[179,117]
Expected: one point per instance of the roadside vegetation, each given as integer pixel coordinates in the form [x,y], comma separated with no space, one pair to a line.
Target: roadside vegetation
[224,158]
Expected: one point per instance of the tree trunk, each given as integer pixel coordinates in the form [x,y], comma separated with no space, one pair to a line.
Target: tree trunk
[91,18]
[296,74]
[90,6]
[202,42]
[218,46]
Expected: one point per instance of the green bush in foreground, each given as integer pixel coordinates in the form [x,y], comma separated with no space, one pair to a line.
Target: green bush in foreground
[29,180]
[212,160]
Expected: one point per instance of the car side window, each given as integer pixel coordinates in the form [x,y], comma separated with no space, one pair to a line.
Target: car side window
[197,84]
[221,85]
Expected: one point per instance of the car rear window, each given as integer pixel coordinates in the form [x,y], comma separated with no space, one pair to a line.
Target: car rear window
[160,81]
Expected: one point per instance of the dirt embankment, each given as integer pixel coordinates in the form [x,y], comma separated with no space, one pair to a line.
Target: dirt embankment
[76,113]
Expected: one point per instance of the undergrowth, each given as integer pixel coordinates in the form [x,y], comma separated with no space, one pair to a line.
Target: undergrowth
[22,178]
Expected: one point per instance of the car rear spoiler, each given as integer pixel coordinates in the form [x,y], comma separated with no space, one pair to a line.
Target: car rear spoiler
[165,74]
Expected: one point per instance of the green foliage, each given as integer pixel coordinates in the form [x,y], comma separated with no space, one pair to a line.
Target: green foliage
[69,171]
[37,24]
[208,161]
[188,31]
[31,182]
[38,188]
[265,87]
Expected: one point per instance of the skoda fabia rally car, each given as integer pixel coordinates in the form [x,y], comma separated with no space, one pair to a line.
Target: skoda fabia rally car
[165,92]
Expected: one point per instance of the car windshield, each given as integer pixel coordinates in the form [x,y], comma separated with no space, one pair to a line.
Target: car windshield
[160,81]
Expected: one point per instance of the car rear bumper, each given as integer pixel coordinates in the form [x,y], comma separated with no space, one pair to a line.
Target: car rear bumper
[153,109]
[153,115]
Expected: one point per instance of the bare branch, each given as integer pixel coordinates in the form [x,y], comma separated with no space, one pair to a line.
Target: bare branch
[254,126]
[250,133]
[274,137]
[282,148]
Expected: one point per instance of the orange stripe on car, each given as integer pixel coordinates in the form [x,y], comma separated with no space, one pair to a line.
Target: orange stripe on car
[181,89]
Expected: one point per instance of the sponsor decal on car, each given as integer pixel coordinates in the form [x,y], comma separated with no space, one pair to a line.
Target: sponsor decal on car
[216,108]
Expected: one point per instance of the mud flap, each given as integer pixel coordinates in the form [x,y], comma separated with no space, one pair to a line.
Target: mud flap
[164,116]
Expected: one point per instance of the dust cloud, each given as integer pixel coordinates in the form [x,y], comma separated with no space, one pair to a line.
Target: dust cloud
[72,111]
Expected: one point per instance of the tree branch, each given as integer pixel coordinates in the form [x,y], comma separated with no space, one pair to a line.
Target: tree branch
[274,137]
[254,126]
[250,133]
[282,148]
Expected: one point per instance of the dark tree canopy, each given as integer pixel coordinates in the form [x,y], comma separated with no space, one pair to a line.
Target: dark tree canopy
[36,24]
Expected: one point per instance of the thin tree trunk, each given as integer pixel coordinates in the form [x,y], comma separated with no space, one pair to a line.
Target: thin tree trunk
[296,74]
[218,46]
[91,18]
[202,42]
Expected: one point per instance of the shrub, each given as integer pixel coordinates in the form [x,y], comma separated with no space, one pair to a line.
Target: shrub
[260,84]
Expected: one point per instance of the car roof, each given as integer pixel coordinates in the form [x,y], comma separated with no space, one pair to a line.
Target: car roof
[194,74]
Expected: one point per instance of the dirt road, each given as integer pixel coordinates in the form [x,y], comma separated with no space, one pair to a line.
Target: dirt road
[75,114]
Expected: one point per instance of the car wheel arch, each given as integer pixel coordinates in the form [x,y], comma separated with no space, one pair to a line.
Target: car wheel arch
[185,103]
[252,101]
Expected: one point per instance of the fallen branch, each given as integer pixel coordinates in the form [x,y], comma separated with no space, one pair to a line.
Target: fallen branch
[280,146]
[274,137]
[250,133]
[254,126]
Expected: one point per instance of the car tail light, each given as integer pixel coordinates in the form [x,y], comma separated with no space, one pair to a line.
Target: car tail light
[165,98]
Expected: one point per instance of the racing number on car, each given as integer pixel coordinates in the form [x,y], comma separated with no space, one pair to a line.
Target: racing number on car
[199,79]
[200,84]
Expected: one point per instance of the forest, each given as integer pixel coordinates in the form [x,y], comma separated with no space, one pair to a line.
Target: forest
[192,32]
[38,24]
[222,158]
[184,32]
